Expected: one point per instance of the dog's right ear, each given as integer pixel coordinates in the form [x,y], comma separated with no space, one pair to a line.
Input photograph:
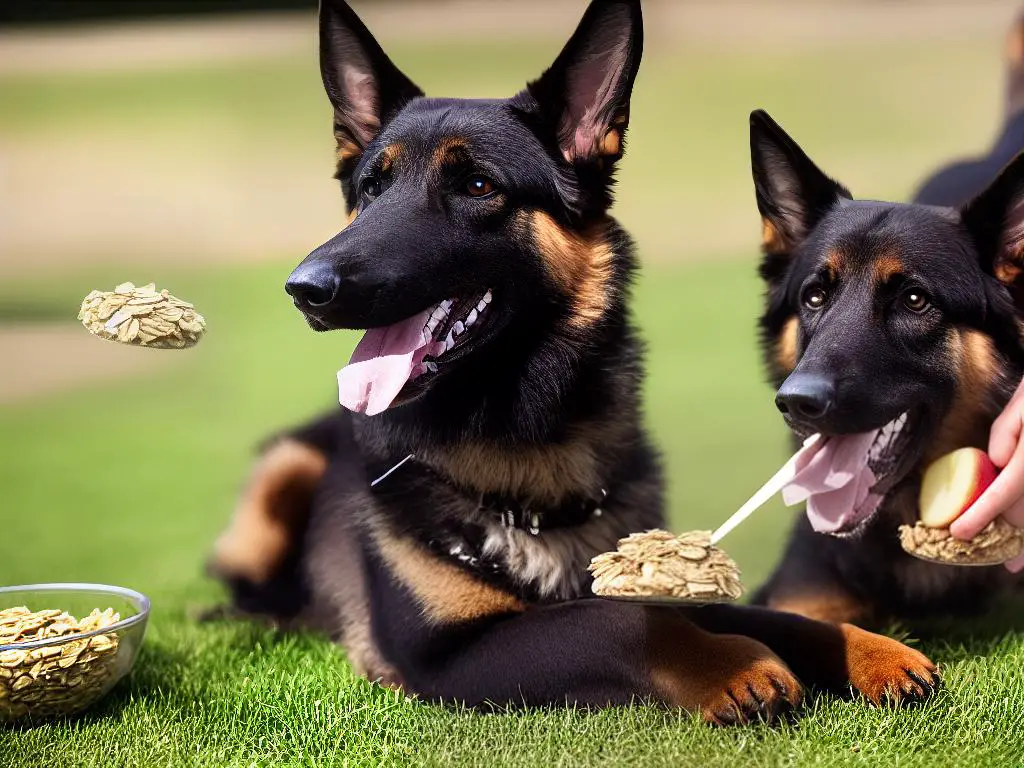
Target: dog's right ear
[792,192]
[364,87]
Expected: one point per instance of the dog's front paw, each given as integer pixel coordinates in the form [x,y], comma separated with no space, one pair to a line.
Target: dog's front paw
[886,670]
[754,684]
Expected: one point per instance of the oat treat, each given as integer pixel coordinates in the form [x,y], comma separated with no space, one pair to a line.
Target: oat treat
[58,679]
[659,566]
[143,317]
[998,542]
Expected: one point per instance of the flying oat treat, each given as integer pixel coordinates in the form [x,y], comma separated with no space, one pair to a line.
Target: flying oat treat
[998,542]
[142,316]
[659,566]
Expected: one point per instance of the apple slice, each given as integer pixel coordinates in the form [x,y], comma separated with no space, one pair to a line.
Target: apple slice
[952,483]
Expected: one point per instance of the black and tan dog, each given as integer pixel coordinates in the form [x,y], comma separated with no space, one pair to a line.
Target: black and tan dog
[502,359]
[900,317]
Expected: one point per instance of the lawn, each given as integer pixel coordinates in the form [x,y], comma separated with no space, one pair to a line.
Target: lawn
[129,482]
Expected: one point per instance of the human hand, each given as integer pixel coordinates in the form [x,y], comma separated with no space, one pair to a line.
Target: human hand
[1006,494]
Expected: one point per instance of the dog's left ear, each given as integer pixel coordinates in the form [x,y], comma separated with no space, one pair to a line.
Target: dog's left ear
[585,94]
[995,220]
[793,194]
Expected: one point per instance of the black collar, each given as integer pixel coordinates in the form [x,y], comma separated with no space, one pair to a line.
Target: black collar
[512,511]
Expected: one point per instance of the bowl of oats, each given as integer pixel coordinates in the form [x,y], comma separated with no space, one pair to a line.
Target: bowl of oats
[64,646]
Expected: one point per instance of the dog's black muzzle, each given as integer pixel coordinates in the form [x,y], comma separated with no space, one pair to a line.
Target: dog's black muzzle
[349,282]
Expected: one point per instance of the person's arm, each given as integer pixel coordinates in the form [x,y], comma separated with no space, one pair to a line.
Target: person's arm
[1006,494]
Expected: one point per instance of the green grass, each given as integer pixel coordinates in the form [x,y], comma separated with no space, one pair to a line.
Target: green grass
[129,482]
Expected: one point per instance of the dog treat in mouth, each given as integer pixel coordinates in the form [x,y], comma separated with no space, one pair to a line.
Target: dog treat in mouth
[998,542]
[143,317]
[57,679]
[656,565]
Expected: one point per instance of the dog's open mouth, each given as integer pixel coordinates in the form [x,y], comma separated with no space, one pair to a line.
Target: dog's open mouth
[388,359]
[844,478]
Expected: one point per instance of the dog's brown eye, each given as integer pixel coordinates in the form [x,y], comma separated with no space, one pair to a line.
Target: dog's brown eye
[916,301]
[814,298]
[479,186]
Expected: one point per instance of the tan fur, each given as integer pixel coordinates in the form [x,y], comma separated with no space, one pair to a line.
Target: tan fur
[446,594]
[390,157]
[362,651]
[273,504]
[835,263]
[786,346]
[1007,271]
[771,239]
[611,144]
[836,607]
[711,673]
[547,473]
[978,377]
[886,267]
[346,149]
[445,149]
[881,668]
[580,264]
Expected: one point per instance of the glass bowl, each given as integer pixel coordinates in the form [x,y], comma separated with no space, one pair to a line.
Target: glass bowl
[60,676]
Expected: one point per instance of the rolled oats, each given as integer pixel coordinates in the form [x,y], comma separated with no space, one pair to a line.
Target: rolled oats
[55,679]
[658,565]
[142,316]
[998,542]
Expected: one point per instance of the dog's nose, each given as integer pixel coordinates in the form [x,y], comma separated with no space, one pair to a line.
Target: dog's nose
[313,285]
[806,396]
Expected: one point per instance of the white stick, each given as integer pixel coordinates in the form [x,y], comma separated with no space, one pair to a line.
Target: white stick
[374,483]
[763,494]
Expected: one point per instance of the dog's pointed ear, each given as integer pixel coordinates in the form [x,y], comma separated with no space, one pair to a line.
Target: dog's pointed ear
[364,86]
[995,220]
[585,94]
[793,194]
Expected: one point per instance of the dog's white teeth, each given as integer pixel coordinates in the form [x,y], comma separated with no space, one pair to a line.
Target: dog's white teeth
[481,306]
[450,341]
[472,318]
[487,297]
[430,366]
[459,327]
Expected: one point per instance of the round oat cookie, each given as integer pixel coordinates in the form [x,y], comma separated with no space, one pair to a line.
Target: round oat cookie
[142,317]
[658,567]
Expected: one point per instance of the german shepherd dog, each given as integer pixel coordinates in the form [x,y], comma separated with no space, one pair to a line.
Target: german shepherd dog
[501,358]
[900,317]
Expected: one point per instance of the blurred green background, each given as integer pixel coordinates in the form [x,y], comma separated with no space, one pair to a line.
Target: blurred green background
[197,153]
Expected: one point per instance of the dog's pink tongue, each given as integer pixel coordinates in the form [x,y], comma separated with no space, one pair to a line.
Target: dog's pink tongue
[383,361]
[833,476]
